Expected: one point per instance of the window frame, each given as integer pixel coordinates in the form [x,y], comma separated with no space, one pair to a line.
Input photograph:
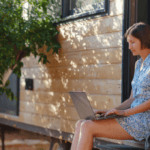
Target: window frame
[67,17]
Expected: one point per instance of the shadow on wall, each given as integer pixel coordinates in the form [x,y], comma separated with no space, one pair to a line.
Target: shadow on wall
[89,60]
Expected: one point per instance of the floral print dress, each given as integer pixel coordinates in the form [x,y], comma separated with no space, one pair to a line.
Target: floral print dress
[138,125]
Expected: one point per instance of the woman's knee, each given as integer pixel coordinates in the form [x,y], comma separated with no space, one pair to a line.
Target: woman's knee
[79,122]
[87,125]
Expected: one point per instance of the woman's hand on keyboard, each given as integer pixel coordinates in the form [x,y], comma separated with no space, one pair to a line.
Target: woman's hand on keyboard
[115,112]
[97,111]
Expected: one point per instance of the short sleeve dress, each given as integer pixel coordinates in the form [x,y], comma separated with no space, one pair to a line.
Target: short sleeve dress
[138,125]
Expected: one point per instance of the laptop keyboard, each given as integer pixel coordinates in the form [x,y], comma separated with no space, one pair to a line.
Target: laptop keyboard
[101,116]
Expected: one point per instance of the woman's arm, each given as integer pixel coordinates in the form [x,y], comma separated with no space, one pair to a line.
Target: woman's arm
[131,111]
[126,104]
[138,109]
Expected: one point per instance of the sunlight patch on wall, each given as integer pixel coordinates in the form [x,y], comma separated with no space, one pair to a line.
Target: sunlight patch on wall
[74,65]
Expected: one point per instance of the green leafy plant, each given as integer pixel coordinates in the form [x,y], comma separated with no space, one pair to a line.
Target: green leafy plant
[25,26]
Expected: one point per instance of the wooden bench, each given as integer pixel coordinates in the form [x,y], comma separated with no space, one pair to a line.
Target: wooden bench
[110,144]
[19,130]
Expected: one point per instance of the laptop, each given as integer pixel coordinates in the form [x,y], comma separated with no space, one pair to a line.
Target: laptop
[84,108]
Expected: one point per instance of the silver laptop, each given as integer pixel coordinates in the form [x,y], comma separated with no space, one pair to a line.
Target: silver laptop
[84,108]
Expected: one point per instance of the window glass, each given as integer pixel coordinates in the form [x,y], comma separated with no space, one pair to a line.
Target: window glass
[10,106]
[84,6]
[81,3]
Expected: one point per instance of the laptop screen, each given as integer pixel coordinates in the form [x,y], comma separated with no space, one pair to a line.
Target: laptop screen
[82,105]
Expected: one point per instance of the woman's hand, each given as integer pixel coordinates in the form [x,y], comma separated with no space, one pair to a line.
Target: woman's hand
[97,111]
[115,112]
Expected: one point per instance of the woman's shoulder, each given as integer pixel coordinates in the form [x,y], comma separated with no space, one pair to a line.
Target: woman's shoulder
[139,61]
[147,60]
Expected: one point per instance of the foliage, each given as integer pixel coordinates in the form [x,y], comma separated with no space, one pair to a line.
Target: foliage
[22,31]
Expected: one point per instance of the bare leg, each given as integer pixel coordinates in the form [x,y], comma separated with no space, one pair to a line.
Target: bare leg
[76,135]
[109,128]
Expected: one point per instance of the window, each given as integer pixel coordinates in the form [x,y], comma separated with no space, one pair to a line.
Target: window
[6,105]
[80,8]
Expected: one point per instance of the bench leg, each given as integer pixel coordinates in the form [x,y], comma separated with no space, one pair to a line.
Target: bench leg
[2,138]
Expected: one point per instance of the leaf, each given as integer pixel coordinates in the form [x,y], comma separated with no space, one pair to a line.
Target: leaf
[56,46]
[44,59]
[7,83]
[8,61]
[2,89]
[12,96]
[15,98]
[48,48]
[39,59]
[35,53]
[1,82]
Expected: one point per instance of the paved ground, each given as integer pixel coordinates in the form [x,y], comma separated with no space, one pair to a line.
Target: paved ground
[26,145]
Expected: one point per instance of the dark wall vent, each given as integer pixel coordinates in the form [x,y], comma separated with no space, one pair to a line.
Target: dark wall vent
[29,84]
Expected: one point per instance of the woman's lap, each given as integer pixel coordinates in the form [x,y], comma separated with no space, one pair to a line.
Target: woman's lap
[108,128]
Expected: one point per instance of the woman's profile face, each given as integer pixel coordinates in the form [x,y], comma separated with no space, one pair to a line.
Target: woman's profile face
[134,45]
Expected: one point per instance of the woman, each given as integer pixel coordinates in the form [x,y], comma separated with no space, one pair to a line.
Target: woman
[135,125]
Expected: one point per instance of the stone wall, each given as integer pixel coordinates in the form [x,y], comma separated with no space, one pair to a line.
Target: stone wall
[90,60]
